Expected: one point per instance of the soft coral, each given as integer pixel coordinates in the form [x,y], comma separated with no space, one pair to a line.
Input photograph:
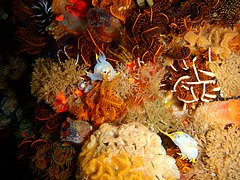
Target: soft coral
[78,7]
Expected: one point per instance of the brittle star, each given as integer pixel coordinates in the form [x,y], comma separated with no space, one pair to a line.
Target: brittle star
[188,85]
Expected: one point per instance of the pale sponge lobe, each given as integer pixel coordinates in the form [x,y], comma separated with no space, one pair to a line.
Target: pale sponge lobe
[128,151]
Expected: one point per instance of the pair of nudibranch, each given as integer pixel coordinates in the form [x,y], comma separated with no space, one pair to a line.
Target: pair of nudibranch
[187,145]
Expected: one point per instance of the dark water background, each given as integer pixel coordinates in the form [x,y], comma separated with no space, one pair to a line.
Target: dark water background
[10,167]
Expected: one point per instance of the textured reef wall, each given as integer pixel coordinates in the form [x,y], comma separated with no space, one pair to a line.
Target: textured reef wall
[125,89]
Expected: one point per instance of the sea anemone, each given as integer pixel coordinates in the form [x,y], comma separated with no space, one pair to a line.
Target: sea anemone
[220,154]
[62,82]
[227,74]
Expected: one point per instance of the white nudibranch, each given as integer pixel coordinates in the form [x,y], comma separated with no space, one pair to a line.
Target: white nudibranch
[187,145]
[101,69]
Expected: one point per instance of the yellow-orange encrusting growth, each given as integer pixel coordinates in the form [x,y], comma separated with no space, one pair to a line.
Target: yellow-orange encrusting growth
[233,108]
[219,112]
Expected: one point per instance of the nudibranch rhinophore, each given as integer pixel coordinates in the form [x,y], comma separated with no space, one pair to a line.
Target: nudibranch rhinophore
[102,69]
[186,144]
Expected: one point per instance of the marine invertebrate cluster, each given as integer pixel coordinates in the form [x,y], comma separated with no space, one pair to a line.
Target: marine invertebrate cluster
[94,25]
[31,43]
[99,100]
[234,45]
[103,104]
[104,23]
[139,80]
[32,18]
[47,160]
[70,18]
[149,77]
[123,88]
[110,150]
[118,9]
[146,101]
[144,41]
[143,54]
[47,118]
[56,83]
[153,115]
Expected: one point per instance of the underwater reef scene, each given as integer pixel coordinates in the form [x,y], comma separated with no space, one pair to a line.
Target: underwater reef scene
[120,89]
